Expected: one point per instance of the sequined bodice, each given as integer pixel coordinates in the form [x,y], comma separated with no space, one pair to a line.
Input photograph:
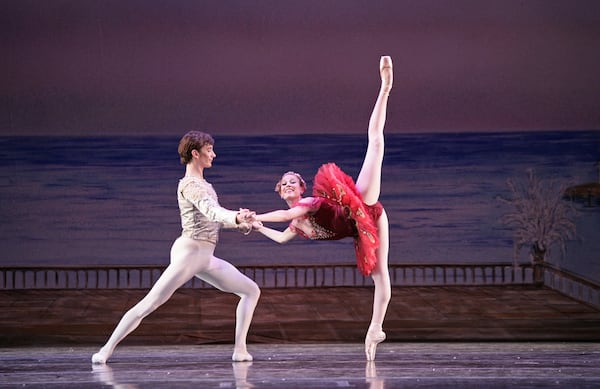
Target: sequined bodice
[329,221]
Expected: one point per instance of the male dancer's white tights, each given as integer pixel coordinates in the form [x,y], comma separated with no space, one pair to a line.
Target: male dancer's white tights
[191,258]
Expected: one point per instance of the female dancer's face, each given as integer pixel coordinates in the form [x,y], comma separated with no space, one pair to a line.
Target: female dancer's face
[290,187]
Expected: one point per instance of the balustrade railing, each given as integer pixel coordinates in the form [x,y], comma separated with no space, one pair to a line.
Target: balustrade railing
[311,276]
[285,276]
[572,285]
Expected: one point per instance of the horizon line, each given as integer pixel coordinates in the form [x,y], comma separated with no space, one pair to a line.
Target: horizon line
[133,134]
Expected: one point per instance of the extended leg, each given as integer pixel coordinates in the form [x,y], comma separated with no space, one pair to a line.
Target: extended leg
[383,290]
[182,268]
[226,277]
[369,178]
[173,277]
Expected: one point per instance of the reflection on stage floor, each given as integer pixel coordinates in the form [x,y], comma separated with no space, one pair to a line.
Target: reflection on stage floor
[316,365]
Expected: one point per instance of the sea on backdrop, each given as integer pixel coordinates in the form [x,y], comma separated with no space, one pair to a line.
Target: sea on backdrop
[112,200]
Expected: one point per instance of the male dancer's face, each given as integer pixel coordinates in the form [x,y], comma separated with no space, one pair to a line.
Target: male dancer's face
[206,155]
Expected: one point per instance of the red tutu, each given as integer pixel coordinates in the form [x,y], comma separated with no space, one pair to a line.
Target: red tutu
[332,183]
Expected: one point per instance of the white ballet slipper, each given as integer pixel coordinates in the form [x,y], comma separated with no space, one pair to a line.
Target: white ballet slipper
[241,356]
[98,359]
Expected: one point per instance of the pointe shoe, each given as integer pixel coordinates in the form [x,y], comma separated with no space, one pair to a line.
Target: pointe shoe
[372,339]
[387,74]
[241,357]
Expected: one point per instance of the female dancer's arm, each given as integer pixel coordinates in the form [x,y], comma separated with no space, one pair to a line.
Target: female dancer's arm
[283,215]
[303,207]
[276,235]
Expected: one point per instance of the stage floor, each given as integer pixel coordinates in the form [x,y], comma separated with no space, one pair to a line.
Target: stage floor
[317,365]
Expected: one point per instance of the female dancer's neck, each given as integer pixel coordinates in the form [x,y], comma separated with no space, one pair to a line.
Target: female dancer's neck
[291,202]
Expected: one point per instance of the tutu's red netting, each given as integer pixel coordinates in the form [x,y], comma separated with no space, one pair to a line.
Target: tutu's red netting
[332,183]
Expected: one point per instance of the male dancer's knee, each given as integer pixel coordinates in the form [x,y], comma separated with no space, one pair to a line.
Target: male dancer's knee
[148,305]
[140,312]
[254,292]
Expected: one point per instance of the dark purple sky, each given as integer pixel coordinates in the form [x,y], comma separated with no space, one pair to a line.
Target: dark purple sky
[162,67]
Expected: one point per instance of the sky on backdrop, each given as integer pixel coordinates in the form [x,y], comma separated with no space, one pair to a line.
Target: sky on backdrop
[82,67]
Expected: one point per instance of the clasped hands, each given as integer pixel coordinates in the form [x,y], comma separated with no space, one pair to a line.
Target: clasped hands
[246,221]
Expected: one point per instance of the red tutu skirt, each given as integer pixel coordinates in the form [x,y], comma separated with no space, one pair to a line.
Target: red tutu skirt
[332,183]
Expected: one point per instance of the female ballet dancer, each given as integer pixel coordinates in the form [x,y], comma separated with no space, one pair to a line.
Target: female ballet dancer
[339,208]
[192,253]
